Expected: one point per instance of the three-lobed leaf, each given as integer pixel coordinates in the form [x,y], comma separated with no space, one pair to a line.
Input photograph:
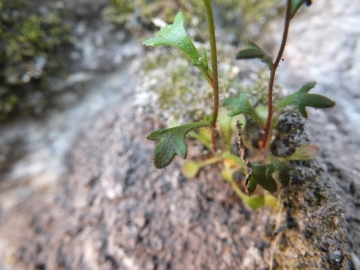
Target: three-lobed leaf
[241,105]
[301,99]
[255,52]
[171,142]
[174,35]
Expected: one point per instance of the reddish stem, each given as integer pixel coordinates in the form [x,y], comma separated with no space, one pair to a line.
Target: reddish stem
[273,74]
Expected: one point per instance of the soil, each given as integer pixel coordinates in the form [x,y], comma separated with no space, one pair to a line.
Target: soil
[108,208]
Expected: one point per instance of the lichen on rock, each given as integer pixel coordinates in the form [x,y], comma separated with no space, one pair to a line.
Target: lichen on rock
[27,36]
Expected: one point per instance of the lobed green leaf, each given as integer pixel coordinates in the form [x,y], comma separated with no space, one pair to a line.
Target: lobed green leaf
[171,142]
[241,105]
[301,99]
[174,35]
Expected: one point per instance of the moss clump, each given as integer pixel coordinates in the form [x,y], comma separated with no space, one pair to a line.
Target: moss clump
[119,11]
[27,36]
[170,87]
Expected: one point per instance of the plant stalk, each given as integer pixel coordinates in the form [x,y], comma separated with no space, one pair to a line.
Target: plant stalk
[211,161]
[273,73]
[215,75]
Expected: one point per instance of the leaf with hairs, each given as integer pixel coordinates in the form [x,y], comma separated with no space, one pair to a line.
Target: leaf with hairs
[241,105]
[301,99]
[171,142]
[174,35]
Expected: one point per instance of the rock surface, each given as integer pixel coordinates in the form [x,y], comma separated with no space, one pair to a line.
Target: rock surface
[88,198]
[325,47]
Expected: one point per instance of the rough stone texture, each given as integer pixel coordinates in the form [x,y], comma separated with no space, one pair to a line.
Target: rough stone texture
[112,210]
[310,231]
[325,47]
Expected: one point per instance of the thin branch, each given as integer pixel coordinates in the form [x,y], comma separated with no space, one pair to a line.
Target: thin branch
[215,76]
[273,73]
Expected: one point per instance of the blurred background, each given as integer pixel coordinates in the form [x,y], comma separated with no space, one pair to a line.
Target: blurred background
[64,62]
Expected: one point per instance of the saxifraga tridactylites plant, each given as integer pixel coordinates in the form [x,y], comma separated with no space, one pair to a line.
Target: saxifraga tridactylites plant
[271,170]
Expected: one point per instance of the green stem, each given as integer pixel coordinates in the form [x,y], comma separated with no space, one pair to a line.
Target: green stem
[273,73]
[215,75]
[237,159]
[211,161]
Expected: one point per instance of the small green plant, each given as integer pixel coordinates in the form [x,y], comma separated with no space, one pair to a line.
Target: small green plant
[265,169]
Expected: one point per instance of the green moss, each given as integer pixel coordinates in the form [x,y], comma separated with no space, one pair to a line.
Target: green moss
[163,76]
[171,83]
[26,37]
[119,11]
